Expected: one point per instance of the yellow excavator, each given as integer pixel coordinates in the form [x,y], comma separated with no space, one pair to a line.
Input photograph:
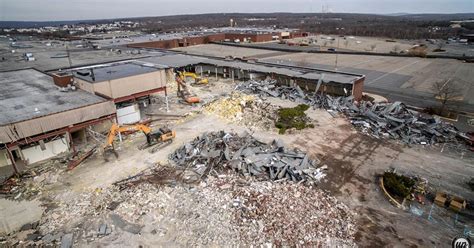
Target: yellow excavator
[162,137]
[197,79]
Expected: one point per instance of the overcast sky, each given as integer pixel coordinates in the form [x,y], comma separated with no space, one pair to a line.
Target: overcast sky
[55,10]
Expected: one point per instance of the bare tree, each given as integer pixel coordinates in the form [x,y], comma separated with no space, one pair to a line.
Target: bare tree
[325,43]
[302,63]
[396,48]
[372,47]
[446,92]
[439,45]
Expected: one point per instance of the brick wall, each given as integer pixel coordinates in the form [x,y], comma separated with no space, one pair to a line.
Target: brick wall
[192,41]
[357,89]
[163,44]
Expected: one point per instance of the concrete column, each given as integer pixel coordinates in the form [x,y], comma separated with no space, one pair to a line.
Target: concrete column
[166,101]
[12,160]
[69,140]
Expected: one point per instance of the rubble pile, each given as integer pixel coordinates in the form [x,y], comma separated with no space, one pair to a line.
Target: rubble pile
[269,87]
[167,207]
[213,152]
[167,215]
[287,214]
[229,108]
[32,182]
[159,175]
[392,120]
[245,110]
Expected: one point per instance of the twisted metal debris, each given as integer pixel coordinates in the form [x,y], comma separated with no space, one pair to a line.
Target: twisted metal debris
[381,120]
[219,150]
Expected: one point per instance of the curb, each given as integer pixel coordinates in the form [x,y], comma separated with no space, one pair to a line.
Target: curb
[390,198]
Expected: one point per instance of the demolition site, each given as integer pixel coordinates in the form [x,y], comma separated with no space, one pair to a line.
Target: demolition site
[168,144]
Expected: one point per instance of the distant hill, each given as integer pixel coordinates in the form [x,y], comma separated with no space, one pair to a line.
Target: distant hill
[438,17]
[423,17]
[32,24]
[397,14]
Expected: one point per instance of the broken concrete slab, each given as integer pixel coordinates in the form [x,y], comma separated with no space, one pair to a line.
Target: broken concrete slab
[67,240]
[14,215]
[125,225]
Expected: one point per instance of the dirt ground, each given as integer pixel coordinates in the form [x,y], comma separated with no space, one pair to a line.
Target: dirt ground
[354,160]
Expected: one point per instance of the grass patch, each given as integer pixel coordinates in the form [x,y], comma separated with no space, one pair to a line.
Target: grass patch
[398,185]
[293,118]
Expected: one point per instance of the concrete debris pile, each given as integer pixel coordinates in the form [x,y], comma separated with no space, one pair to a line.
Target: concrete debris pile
[229,108]
[216,151]
[31,182]
[287,214]
[159,175]
[245,110]
[162,207]
[385,120]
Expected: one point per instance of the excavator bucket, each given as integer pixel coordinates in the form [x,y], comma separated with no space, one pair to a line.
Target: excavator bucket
[107,152]
[192,100]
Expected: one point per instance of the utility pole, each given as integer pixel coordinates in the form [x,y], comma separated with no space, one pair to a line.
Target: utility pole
[337,51]
[68,56]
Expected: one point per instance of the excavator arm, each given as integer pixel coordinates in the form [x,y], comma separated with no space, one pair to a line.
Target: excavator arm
[183,91]
[196,78]
[162,136]
[116,129]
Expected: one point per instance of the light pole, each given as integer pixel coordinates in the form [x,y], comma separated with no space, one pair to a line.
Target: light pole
[337,52]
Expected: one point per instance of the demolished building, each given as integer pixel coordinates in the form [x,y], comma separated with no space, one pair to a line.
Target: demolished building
[333,82]
[38,119]
[46,108]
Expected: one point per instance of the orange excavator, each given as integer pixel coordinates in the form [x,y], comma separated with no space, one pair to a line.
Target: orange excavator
[162,137]
[184,93]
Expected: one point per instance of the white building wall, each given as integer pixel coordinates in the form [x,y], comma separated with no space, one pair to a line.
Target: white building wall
[128,115]
[4,159]
[53,148]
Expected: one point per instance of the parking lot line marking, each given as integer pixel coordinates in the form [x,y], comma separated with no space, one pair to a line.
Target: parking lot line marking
[396,70]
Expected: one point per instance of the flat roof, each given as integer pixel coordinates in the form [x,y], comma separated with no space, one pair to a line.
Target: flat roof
[174,60]
[108,72]
[181,60]
[27,94]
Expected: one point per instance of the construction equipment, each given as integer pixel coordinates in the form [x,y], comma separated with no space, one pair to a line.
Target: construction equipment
[163,136]
[197,79]
[184,93]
